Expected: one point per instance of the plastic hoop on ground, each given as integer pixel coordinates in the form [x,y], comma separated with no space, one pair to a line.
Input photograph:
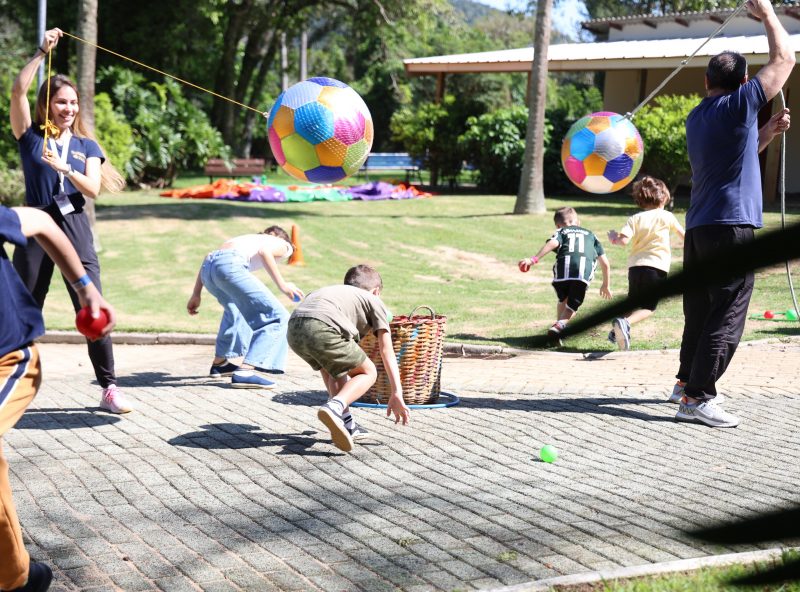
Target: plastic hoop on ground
[453,400]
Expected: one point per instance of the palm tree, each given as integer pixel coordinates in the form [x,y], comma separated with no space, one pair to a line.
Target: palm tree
[87,59]
[530,198]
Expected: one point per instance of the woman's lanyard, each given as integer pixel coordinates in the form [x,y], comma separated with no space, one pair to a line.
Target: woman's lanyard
[62,199]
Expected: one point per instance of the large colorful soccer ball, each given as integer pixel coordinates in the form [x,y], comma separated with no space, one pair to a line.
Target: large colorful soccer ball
[320,130]
[602,152]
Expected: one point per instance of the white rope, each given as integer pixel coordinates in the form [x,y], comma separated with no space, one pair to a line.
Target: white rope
[782,191]
[630,115]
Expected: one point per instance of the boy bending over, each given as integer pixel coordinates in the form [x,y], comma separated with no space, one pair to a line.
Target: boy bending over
[325,329]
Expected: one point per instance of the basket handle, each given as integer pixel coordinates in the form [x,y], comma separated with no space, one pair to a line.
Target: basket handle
[433,314]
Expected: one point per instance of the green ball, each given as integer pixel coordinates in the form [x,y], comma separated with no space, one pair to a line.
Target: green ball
[548,453]
[791,315]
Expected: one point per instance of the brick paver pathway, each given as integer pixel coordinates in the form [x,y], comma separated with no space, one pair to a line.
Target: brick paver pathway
[211,488]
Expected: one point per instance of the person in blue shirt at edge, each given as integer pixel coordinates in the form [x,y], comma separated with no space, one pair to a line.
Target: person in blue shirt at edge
[20,369]
[723,140]
[59,178]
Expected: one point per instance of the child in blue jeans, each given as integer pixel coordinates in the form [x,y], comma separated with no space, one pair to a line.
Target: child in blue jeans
[253,323]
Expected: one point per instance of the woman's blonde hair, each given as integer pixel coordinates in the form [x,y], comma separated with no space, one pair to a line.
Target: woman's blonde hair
[650,192]
[110,177]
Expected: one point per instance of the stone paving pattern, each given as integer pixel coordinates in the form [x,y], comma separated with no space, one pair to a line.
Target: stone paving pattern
[211,488]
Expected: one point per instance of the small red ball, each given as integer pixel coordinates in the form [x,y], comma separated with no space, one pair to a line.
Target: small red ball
[91,328]
[769,314]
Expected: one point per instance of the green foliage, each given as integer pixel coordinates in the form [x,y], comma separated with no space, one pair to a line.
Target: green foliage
[12,49]
[170,133]
[662,127]
[12,187]
[566,103]
[114,134]
[611,8]
[431,132]
[494,144]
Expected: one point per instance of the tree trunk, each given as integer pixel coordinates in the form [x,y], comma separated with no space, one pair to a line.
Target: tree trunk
[87,54]
[530,198]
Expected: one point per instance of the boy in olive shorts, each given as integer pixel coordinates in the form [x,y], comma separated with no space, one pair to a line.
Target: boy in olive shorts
[325,330]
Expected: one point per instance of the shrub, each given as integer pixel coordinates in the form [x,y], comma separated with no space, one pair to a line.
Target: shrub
[662,127]
[12,187]
[114,134]
[170,132]
[430,132]
[494,144]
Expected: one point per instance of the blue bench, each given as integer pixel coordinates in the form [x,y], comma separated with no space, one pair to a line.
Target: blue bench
[392,162]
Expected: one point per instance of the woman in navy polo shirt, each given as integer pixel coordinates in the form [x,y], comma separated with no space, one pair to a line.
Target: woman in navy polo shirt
[59,177]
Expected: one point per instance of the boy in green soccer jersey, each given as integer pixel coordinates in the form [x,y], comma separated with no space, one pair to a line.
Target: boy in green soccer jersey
[577,254]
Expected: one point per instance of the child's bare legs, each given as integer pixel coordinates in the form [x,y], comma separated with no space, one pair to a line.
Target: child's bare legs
[564,312]
[342,392]
[639,315]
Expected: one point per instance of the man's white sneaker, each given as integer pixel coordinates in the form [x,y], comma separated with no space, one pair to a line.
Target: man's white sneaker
[707,412]
[114,401]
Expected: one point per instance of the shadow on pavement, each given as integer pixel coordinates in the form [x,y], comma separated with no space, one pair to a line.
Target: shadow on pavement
[236,436]
[303,398]
[58,418]
[596,405]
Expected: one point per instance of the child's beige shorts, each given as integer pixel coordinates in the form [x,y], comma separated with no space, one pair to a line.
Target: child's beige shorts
[323,346]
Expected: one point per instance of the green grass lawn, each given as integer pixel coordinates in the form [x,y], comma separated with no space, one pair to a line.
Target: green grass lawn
[710,579]
[454,253]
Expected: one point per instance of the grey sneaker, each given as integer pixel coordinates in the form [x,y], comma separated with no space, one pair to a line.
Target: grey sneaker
[678,391]
[359,432]
[622,333]
[333,421]
[707,412]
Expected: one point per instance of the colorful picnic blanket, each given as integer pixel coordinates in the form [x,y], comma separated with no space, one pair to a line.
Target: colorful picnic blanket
[257,192]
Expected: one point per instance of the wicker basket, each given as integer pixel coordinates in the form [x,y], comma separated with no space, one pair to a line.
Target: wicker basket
[417,341]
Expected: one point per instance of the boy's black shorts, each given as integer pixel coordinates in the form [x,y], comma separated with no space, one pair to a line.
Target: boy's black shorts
[642,278]
[573,291]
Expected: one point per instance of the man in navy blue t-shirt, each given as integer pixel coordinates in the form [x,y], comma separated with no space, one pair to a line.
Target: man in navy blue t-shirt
[724,140]
[20,371]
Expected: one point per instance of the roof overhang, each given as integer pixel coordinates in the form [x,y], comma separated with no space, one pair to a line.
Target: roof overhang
[607,55]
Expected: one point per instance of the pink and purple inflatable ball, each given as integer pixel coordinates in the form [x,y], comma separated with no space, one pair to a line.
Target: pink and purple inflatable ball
[320,130]
[602,152]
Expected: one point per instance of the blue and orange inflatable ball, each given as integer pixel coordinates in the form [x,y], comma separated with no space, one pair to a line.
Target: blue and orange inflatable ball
[602,152]
[320,130]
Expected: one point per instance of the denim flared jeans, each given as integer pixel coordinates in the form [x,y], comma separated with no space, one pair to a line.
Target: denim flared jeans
[254,322]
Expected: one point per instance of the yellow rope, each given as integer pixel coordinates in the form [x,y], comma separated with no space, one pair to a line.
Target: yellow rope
[211,92]
[49,126]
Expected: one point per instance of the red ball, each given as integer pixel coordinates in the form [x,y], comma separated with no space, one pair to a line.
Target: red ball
[91,328]
[769,314]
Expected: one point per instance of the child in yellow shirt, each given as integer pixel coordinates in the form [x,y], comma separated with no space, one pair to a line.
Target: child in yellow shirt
[648,234]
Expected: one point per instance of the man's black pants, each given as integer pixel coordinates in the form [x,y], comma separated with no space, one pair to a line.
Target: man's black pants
[714,314]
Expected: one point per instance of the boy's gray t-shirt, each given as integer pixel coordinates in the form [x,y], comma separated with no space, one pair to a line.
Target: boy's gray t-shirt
[355,312]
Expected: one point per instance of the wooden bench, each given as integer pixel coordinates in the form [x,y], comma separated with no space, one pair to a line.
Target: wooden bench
[392,162]
[238,167]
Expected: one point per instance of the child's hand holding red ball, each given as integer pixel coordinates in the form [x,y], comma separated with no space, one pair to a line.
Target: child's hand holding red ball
[97,318]
[525,264]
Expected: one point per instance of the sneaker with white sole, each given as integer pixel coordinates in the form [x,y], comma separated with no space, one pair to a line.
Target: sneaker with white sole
[707,412]
[114,401]
[622,333]
[249,379]
[333,421]
[358,432]
[678,391]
